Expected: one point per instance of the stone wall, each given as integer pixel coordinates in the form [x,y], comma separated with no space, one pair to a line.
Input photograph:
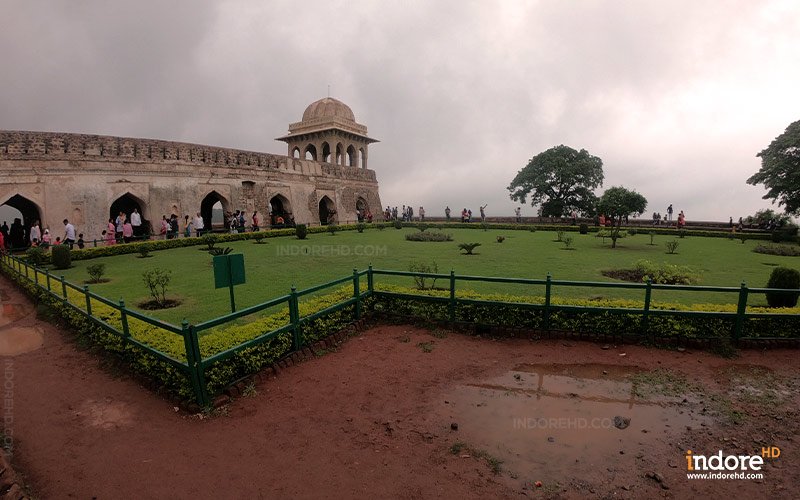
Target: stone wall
[78,176]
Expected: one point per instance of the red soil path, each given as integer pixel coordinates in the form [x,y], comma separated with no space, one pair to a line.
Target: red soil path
[365,421]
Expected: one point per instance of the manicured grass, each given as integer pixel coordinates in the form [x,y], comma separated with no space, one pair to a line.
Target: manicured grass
[274,266]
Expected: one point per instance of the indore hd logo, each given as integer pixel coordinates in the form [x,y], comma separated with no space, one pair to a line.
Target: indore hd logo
[720,466]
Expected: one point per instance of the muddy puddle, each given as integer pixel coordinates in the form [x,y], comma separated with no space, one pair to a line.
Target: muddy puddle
[551,421]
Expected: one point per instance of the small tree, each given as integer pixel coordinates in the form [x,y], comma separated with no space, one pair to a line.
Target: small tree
[332,228]
[144,250]
[672,246]
[567,241]
[36,256]
[468,247]
[96,272]
[617,203]
[360,227]
[61,256]
[157,281]
[301,231]
[421,267]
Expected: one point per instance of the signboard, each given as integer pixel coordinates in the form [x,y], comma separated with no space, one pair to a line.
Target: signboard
[228,270]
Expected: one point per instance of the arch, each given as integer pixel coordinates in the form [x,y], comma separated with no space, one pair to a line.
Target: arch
[20,226]
[311,152]
[126,204]
[327,211]
[326,152]
[296,153]
[280,206]
[207,208]
[351,156]
[339,154]
[362,158]
[362,208]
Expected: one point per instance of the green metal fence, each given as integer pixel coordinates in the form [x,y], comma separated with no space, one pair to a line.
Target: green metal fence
[194,366]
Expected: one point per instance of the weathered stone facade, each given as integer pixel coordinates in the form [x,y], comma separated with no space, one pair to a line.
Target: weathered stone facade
[53,176]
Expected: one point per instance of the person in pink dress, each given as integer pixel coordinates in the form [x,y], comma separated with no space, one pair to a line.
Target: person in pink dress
[110,232]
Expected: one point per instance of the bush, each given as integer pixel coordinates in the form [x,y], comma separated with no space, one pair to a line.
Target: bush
[398,224]
[665,274]
[468,247]
[209,240]
[784,250]
[96,272]
[157,281]
[380,226]
[632,231]
[360,227]
[36,256]
[422,227]
[783,277]
[144,250]
[584,228]
[332,228]
[682,233]
[429,236]
[559,236]
[501,239]
[421,267]
[60,256]
[606,233]
[567,241]
[671,246]
[652,237]
[301,231]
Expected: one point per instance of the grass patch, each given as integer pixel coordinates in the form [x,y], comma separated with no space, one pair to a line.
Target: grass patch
[661,382]
[494,463]
[426,346]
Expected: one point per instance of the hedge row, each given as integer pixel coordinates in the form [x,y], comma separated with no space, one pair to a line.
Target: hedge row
[219,375]
[602,323]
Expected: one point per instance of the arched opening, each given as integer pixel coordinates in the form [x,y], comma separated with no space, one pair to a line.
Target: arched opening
[362,209]
[326,152]
[311,152]
[296,153]
[327,211]
[280,211]
[361,155]
[212,210]
[22,213]
[339,153]
[126,204]
[351,156]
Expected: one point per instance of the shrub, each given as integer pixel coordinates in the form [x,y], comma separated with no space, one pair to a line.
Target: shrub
[559,236]
[60,256]
[398,224]
[682,233]
[583,228]
[652,237]
[632,231]
[784,250]
[332,228]
[606,233]
[220,251]
[421,267]
[157,280]
[783,277]
[468,247]
[567,241]
[259,240]
[671,246]
[422,227]
[429,236]
[144,250]
[96,272]
[36,256]
[209,240]
[360,227]
[380,226]
[667,274]
[301,231]
[501,239]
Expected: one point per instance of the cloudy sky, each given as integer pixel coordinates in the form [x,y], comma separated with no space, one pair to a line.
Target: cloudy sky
[676,97]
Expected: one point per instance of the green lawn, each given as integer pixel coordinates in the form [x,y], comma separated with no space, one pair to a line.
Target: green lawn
[273,267]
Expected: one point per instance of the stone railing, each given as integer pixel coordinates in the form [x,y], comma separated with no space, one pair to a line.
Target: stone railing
[55,145]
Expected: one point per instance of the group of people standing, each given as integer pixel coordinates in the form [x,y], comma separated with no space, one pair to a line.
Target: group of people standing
[667,218]
[17,236]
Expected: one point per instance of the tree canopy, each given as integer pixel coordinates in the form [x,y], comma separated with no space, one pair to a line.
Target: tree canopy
[560,179]
[780,170]
[618,202]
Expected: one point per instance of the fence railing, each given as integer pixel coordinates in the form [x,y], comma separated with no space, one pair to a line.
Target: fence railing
[194,366]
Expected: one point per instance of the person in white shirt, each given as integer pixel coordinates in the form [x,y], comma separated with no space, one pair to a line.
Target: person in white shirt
[198,224]
[136,222]
[36,233]
[69,234]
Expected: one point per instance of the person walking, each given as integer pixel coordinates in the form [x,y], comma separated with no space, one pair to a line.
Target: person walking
[421,214]
[36,232]
[136,223]
[518,213]
[198,224]
[127,231]
[447,213]
[483,212]
[669,212]
[69,234]
[256,221]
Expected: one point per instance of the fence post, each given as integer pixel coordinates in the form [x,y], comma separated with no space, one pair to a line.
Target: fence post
[193,362]
[451,306]
[95,242]
[547,289]
[646,312]
[370,282]
[88,300]
[36,276]
[47,274]
[123,316]
[63,288]
[740,311]
[294,319]
[26,272]
[357,293]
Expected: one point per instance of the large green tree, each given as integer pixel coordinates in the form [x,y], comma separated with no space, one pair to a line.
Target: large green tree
[780,170]
[560,179]
[617,202]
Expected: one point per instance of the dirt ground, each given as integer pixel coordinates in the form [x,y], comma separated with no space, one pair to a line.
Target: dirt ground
[402,412]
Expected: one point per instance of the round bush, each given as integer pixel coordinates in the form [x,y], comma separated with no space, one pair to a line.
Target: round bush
[61,257]
[301,231]
[783,277]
